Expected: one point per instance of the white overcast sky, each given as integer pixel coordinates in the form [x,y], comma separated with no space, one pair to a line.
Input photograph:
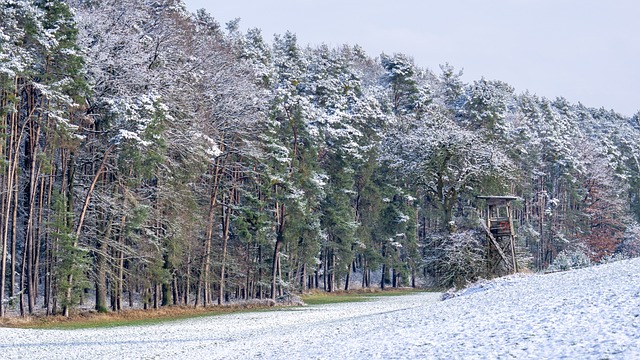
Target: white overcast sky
[587,51]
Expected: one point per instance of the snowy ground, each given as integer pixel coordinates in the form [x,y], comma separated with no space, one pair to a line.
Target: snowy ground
[591,313]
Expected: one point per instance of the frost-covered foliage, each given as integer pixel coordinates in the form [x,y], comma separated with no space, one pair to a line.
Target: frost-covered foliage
[570,259]
[441,157]
[42,106]
[455,259]
[630,245]
[487,108]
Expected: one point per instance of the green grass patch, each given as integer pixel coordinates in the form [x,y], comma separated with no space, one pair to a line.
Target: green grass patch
[326,298]
[321,297]
[116,322]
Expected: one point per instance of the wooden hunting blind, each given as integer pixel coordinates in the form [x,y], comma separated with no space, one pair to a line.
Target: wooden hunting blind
[497,222]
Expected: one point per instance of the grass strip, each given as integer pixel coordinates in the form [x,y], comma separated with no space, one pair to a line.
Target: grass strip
[321,297]
[134,317]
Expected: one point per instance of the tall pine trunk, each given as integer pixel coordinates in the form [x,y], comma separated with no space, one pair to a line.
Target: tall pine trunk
[101,267]
[14,141]
[275,265]
[204,284]
[226,222]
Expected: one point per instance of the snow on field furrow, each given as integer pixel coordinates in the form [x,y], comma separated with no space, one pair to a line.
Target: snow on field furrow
[239,329]
[591,313]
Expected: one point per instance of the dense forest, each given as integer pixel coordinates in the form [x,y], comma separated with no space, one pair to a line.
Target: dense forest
[151,157]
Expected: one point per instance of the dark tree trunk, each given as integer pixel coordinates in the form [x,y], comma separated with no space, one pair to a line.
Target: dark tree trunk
[280,210]
[346,281]
[101,268]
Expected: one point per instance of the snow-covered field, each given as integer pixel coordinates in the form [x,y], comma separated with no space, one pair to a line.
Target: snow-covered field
[591,313]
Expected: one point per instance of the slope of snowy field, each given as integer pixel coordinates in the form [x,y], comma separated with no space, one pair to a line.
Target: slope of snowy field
[591,313]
